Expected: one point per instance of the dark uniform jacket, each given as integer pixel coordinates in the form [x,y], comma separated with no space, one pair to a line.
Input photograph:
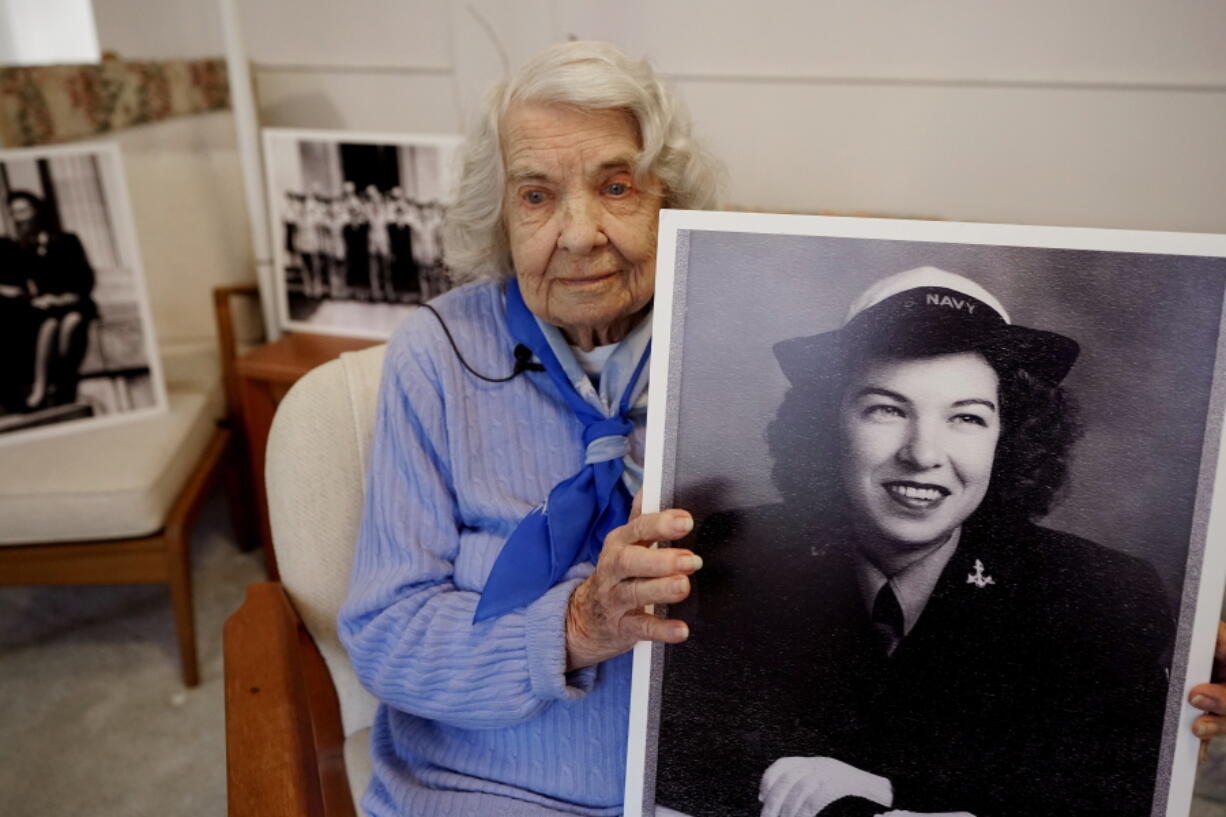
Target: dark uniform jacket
[1038,694]
[60,266]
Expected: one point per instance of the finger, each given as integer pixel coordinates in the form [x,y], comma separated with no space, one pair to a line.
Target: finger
[652,563]
[636,506]
[635,594]
[640,626]
[814,797]
[777,794]
[770,777]
[1209,726]
[801,789]
[770,802]
[649,528]
[1208,697]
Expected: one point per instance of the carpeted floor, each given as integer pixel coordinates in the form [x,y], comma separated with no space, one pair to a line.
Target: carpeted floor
[94,719]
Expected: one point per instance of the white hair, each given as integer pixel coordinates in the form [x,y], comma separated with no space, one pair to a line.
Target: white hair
[588,75]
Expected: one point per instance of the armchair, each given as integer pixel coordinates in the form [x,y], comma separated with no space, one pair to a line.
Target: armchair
[297,719]
[116,505]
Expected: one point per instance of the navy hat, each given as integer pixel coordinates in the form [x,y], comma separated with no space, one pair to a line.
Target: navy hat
[922,312]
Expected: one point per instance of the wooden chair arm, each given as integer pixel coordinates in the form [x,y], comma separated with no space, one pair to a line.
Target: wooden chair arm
[284,742]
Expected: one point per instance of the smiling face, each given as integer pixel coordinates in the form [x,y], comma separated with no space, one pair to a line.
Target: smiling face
[582,233]
[919,439]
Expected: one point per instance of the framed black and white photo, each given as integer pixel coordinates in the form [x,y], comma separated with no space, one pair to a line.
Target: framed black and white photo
[954,487]
[74,310]
[356,222]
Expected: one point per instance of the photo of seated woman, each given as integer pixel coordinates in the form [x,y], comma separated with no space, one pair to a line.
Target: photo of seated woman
[79,345]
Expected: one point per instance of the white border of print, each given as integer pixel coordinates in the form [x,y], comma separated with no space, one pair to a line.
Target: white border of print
[119,207]
[277,139]
[1212,569]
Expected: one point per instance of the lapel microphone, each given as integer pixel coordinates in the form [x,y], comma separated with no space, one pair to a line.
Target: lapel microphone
[524,361]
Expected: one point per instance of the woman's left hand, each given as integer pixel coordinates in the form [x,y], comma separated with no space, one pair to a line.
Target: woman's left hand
[1211,697]
[605,615]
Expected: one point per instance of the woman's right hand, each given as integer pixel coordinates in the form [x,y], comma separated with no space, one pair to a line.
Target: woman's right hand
[1211,697]
[804,786]
[605,617]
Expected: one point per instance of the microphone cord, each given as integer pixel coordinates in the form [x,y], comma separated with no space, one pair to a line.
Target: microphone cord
[523,355]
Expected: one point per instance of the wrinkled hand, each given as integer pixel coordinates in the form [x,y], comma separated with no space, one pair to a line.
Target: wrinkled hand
[605,616]
[803,786]
[1211,697]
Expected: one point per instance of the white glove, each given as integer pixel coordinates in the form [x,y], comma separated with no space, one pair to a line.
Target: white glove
[803,786]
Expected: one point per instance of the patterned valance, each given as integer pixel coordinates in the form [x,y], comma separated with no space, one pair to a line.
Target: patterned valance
[61,103]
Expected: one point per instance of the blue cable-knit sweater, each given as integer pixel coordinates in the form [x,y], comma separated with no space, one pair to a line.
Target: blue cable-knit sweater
[474,719]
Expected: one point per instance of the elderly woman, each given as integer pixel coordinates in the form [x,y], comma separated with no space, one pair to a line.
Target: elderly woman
[496,586]
[958,657]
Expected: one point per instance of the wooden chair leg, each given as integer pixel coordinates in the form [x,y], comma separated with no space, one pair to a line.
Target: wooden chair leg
[179,580]
[240,496]
[177,540]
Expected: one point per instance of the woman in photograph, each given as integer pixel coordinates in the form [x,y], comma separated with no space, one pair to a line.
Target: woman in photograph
[400,242]
[380,246]
[61,283]
[427,242]
[309,240]
[17,329]
[291,223]
[353,226]
[903,634]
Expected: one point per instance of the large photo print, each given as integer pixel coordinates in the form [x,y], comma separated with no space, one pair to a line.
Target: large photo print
[79,346]
[952,487]
[356,223]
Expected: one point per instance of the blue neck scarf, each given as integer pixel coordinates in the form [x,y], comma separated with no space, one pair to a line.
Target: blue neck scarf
[570,526]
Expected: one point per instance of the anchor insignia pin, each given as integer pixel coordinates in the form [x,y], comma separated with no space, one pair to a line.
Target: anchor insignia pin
[977,578]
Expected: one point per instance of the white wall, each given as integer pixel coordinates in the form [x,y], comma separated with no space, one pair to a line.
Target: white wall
[183,173]
[159,30]
[1106,113]
[49,31]
[373,65]
[1103,113]
[191,221]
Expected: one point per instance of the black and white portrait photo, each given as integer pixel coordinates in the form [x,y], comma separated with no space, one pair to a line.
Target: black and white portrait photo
[78,339]
[952,488]
[356,223]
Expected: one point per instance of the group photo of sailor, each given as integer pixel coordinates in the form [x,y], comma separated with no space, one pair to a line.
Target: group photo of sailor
[356,225]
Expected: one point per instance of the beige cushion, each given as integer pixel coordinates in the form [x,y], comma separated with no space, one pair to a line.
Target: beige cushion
[314,471]
[359,765]
[115,481]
